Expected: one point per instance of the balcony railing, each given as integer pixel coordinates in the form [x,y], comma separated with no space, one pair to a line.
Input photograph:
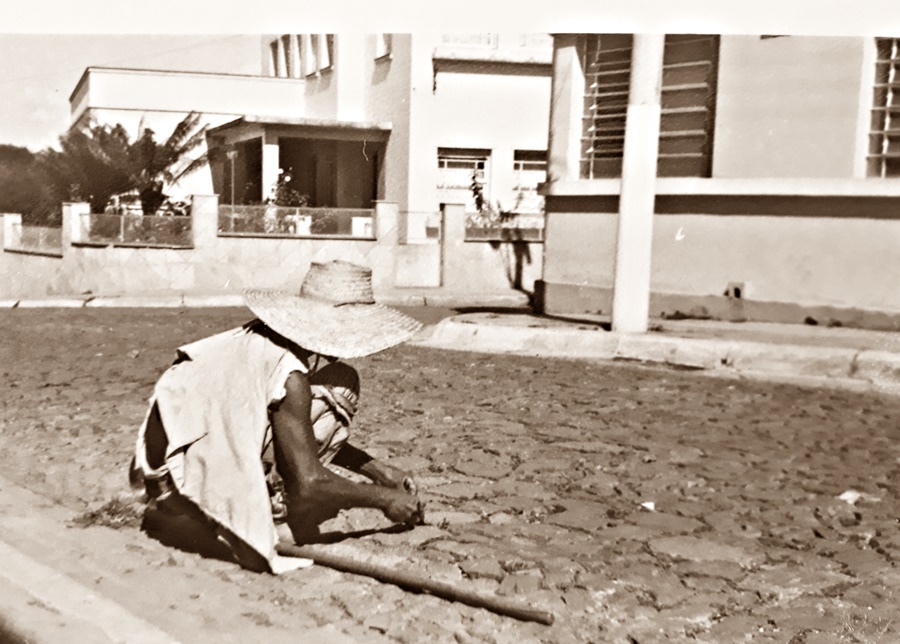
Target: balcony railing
[139,230]
[281,221]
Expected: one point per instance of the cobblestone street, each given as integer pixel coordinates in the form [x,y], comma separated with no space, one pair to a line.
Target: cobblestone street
[637,504]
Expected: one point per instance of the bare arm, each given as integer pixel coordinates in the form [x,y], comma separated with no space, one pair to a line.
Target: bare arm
[359,461]
[313,492]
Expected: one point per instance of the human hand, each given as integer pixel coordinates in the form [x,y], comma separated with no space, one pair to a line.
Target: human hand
[405,508]
[390,476]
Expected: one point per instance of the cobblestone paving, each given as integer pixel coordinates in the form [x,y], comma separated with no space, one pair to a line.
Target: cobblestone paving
[636,504]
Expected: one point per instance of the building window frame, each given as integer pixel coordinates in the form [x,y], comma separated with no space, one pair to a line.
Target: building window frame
[287,47]
[883,132]
[529,163]
[276,58]
[688,103]
[309,55]
[325,53]
[458,169]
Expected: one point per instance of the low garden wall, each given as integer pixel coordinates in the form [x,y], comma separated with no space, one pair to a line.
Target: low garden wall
[220,250]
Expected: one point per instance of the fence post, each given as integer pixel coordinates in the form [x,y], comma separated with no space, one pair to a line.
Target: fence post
[385,226]
[454,224]
[73,228]
[204,221]
[453,239]
[12,230]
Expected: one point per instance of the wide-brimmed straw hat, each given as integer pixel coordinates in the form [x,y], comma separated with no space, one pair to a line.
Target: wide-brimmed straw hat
[334,314]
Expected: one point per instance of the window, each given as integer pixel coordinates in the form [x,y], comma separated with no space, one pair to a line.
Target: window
[690,70]
[309,54]
[530,161]
[884,134]
[530,167]
[530,170]
[275,58]
[299,56]
[326,51]
[317,53]
[607,71]
[382,45]
[285,57]
[458,168]
[288,53]
[688,105]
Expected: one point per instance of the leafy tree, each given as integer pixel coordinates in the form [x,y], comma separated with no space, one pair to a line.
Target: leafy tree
[92,165]
[21,187]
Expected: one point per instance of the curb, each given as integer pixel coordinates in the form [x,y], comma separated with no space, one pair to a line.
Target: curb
[46,590]
[189,300]
[201,301]
[53,302]
[128,301]
[401,300]
[792,359]
[878,369]
[42,606]
[450,300]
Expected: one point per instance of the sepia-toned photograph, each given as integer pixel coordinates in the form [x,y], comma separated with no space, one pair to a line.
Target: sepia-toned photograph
[577,326]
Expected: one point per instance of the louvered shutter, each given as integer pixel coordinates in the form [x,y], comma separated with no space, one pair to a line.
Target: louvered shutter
[688,105]
[884,134]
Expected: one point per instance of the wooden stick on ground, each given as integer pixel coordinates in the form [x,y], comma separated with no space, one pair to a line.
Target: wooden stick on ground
[416,582]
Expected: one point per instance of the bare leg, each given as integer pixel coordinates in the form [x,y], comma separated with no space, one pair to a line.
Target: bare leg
[155,440]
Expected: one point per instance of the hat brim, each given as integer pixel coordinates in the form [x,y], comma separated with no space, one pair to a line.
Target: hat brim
[343,331]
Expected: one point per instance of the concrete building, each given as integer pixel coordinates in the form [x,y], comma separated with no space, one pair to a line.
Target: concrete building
[380,135]
[772,181]
[356,118]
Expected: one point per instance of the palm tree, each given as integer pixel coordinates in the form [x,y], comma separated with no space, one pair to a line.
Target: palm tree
[154,168]
[99,161]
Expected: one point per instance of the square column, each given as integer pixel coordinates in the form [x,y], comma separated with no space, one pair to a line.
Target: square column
[12,230]
[566,109]
[204,222]
[270,165]
[75,223]
[634,239]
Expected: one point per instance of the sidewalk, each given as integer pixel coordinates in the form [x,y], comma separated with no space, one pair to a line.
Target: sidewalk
[393,297]
[58,584]
[816,355]
[854,358]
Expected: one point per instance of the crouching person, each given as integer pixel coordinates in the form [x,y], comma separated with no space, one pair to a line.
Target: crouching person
[241,428]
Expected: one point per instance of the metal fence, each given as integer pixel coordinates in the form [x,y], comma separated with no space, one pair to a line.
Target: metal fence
[505,227]
[422,227]
[41,239]
[280,221]
[153,230]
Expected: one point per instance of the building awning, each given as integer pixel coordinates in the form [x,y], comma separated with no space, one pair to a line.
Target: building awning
[249,126]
